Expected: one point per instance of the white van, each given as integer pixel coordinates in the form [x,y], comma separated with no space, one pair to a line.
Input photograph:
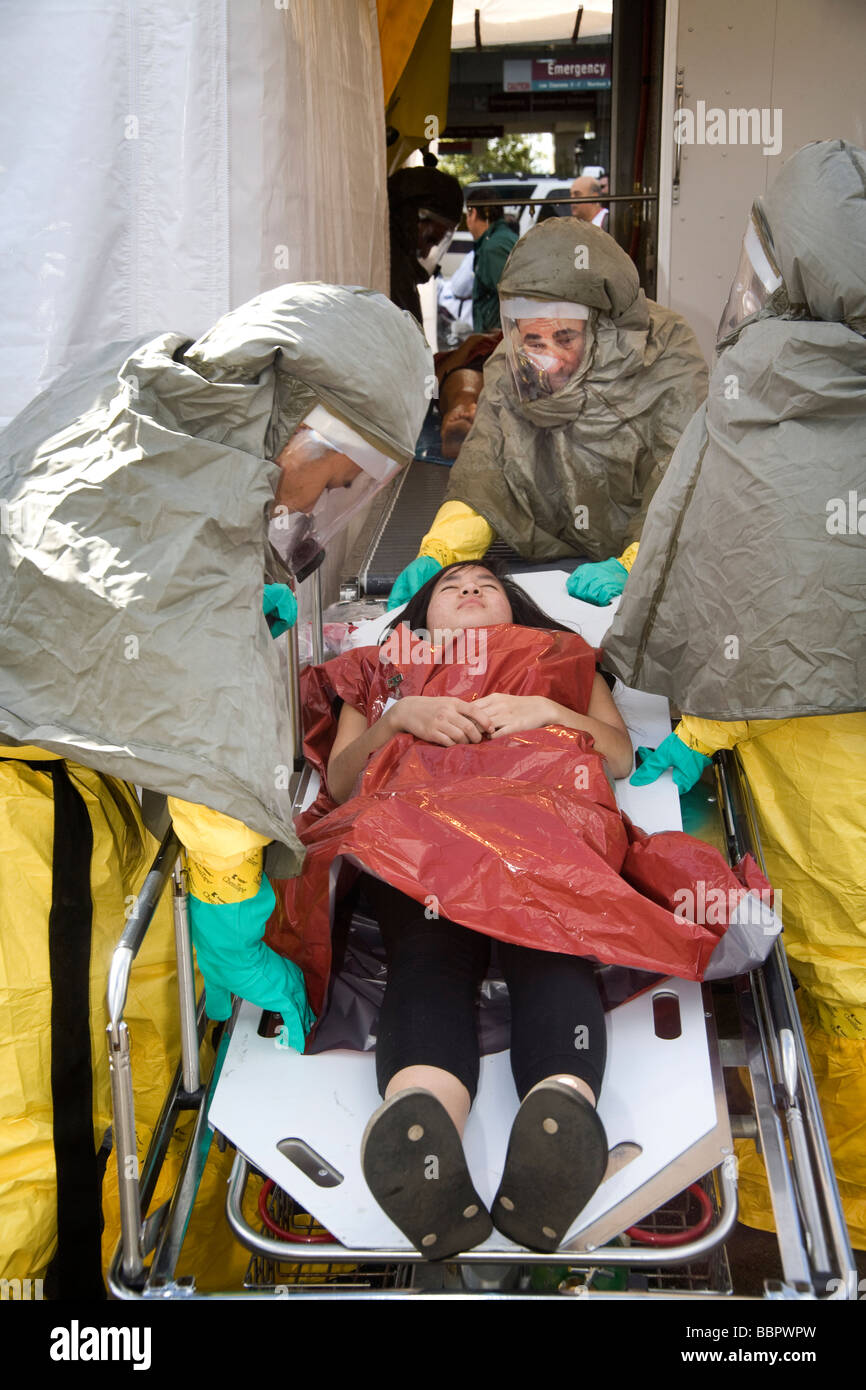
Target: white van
[513,190]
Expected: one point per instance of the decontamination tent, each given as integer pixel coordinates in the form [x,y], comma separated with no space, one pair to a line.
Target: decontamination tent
[167,162]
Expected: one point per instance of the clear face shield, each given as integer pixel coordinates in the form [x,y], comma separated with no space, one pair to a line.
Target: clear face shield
[757,278]
[434,238]
[329,472]
[546,343]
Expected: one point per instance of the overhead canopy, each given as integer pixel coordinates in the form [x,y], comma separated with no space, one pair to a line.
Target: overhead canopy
[513,21]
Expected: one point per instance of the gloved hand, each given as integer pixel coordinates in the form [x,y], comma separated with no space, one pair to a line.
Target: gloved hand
[411,579]
[686,764]
[280,607]
[599,583]
[233,958]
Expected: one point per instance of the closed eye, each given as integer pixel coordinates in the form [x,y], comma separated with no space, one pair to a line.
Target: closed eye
[455,584]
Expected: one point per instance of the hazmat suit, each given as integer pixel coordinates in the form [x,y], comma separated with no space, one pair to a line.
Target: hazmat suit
[137,649]
[424,207]
[566,452]
[747,606]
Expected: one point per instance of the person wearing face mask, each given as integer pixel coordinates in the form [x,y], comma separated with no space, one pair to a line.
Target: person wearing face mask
[583,405]
[425,206]
[328,472]
[149,560]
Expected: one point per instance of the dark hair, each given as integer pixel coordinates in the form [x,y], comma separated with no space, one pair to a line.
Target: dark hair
[525,612]
[491,214]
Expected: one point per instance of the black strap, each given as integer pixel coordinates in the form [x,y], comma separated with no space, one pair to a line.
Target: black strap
[76,1270]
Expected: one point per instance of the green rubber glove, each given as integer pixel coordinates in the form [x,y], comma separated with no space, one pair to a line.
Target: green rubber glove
[411,579]
[685,763]
[280,607]
[599,583]
[233,958]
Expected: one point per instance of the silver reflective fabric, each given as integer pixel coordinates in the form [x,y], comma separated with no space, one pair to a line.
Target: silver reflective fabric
[131,592]
[748,596]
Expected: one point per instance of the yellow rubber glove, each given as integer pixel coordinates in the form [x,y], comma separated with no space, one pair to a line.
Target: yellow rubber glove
[229,904]
[707,736]
[224,857]
[457,533]
[628,557]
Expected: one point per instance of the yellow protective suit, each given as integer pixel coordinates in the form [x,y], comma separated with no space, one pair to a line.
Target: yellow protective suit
[122,854]
[459,533]
[808,780]
[123,851]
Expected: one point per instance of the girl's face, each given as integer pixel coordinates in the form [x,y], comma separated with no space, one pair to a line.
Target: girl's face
[468,597]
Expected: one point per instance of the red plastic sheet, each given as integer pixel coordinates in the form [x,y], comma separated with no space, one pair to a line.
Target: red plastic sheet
[518,837]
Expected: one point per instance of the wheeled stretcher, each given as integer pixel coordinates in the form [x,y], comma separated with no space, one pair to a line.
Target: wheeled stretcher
[298,1120]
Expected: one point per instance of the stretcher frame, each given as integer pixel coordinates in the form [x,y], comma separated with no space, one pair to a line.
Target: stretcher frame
[814,1248]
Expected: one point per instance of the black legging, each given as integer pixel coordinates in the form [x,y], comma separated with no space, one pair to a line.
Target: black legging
[435,968]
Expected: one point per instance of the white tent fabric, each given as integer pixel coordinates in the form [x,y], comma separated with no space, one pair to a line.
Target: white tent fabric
[514,21]
[168,159]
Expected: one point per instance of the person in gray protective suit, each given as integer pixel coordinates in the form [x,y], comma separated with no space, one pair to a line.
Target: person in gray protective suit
[582,407]
[159,500]
[747,606]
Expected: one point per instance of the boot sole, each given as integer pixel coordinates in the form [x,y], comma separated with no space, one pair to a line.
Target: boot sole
[557,1157]
[413,1161]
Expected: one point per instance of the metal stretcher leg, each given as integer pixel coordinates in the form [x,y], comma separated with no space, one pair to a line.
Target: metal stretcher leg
[813,1240]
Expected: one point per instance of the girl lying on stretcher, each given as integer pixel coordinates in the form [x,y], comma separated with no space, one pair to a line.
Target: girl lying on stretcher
[483,807]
